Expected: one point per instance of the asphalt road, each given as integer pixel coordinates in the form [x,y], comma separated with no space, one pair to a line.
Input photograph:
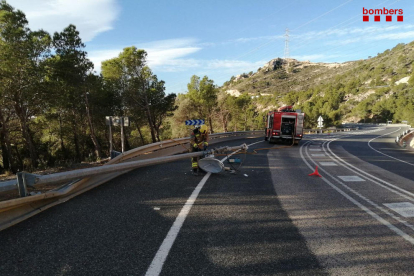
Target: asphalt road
[270,218]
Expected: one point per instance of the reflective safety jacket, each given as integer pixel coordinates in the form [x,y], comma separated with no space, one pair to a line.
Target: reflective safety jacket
[198,138]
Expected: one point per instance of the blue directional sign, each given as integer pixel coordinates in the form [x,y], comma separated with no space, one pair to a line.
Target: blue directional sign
[194,122]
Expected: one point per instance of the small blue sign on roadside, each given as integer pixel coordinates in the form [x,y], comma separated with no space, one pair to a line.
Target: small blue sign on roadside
[194,122]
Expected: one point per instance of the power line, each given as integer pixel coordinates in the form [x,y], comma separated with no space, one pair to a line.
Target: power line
[255,50]
[305,42]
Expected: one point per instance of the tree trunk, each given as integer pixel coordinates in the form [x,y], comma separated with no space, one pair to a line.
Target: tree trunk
[148,112]
[126,140]
[157,128]
[151,126]
[92,130]
[224,122]
[5,147]
[4,154]
[245,120]
[211,124]
[157,132]
[62,145]
[140,133]
[150,123]
[8,162]
[76,138]
[210,121]
[19,158]
[21,114]
[82,143]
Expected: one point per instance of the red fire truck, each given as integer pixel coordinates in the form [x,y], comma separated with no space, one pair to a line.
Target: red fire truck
[285,124]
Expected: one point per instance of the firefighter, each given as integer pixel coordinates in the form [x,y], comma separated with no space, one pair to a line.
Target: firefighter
[198,142]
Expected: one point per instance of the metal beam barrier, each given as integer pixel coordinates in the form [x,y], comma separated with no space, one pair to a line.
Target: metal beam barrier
[402,139]
[16,210]
[322,130]
[81,173]
[159,149]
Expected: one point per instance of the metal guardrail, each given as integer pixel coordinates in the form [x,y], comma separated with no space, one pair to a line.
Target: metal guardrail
[159,149]
[323,130]
[15,210]
[402,137]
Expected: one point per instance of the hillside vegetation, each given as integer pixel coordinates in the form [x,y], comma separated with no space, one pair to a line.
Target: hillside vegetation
[372,90]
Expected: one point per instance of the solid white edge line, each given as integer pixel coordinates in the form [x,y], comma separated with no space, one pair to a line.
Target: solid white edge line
[162,253]
[362,207]
[367,200]
[367,175]
[369,144]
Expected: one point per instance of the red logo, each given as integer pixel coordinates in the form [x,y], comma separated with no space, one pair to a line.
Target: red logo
[378,12]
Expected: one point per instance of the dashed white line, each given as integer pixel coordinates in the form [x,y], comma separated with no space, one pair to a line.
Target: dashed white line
[328,164]
[351,178]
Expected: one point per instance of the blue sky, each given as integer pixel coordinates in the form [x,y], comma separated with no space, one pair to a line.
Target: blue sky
[222,38]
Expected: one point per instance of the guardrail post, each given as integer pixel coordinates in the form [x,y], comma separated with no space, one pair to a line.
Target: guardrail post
[114,154]
[23,181]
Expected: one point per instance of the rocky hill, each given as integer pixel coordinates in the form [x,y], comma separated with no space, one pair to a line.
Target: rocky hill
[371,90]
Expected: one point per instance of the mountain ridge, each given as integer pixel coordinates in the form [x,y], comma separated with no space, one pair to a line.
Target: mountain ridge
[370,90]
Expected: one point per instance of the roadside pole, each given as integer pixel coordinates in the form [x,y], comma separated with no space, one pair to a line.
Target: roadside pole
[122,135]
[320,123]
[110,134]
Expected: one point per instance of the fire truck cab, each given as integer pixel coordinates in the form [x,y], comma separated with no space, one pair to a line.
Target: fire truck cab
[285,124]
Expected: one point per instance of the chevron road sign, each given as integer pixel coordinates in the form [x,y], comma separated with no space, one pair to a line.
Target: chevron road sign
[194,122]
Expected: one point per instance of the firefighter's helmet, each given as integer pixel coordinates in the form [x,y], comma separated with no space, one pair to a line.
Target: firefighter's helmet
[203,129]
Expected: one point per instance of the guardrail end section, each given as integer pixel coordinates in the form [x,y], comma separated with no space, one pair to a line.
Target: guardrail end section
[25,180]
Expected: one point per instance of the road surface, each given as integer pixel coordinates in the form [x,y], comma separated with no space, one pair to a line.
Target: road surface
[270,218]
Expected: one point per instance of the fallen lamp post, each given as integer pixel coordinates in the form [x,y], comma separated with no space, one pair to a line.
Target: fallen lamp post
[25,180]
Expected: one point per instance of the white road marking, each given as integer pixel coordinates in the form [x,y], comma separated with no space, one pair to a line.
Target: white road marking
[369,142]
[351,178]
[328,164]
[362,207]
[391,187]
[405,209]
[162,253]
[315,149]
[318,154]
